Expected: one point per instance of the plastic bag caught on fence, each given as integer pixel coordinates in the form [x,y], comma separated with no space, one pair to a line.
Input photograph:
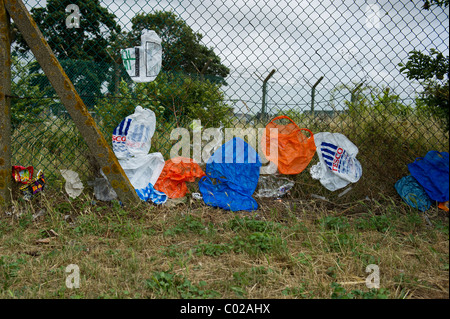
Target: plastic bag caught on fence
[34,186]
[143,62]
[22,174]
[295,150]
[432,172]
[413,193]
[337,165]
[273,186]
[131,144]
[232,174]
[133,136]
[74,187]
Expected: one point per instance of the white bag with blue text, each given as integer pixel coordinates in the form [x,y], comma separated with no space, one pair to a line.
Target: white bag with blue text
[337,165]
[131,141]
[133,136]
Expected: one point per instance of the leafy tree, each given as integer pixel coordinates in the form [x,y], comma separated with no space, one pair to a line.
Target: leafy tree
[387,102]
[182,50]
[176,99]
[432,70]
[25,110]
[440,3]
[88,42]
[82,52]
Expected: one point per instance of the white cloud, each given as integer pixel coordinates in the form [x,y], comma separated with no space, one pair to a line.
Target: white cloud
[345,41]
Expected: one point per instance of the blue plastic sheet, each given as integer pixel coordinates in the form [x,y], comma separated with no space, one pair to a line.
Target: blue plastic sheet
[413,193]
[150,193]
[232,175]
[432,172]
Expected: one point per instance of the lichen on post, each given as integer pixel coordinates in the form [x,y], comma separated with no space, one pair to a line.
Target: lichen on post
[5,107]
[72,102]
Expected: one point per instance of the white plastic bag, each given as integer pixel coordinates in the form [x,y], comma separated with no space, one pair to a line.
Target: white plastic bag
[131,144]
[273,186]
[74,187]
[337,165]
[143,62]
[102,188]
[143,170]
[133,136]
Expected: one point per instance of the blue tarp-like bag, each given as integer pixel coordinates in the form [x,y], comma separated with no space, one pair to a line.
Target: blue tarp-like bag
[432,172]
[232,175]
[413,193]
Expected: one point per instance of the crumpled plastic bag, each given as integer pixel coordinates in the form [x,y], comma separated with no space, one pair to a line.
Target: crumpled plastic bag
[22,174]
[294,149]
[34,186]
[273,186]
[102,189]
[232,175]
[133,136]
[175,174]
[413,193]
[131,144]
[143,62]
[143,172]
[432,172]
[337,165]
[74,186]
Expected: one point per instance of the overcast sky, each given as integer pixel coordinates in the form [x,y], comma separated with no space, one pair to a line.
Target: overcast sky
[344,41]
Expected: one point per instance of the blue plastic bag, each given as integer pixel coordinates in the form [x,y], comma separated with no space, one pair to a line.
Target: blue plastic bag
[432,172]
[413,193]
[232,175]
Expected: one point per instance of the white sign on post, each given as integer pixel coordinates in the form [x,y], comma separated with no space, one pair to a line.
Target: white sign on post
[143,63]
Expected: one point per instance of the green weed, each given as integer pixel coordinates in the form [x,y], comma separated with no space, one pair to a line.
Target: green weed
[211,249]
[340,292]
[258,242]
[9,268]
[187,224]
[168,285]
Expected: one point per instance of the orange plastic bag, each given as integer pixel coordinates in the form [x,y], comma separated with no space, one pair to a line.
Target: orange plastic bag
[444,206]
[295,150]
[175,174]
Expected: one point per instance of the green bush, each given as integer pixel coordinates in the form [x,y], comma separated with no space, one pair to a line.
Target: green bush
[24,109]
[175,98]
[432,71]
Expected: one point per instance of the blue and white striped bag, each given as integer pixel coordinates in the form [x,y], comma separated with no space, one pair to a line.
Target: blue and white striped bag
[131,142]
[132,137]
[337,165]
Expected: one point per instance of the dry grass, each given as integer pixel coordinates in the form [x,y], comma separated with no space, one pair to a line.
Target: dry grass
[297,247]
[286,249]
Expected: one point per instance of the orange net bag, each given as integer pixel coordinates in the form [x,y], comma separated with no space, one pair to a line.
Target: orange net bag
[175,174]
[295,150]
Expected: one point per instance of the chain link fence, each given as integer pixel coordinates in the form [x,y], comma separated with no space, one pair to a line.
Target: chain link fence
[331,66]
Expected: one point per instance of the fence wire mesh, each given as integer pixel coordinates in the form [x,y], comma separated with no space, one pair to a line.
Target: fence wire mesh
[331,66]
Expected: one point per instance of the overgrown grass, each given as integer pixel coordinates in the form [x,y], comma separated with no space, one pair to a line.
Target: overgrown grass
[289,249]
[387,143]
[296,247]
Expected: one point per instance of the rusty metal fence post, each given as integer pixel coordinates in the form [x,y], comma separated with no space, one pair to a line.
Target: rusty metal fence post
[5,108]
[69,97]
